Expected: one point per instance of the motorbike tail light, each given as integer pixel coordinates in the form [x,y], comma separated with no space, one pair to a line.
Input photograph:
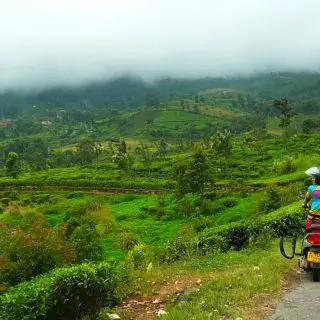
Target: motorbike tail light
[313,238]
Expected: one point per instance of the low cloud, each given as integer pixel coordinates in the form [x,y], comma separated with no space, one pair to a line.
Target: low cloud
[70,42]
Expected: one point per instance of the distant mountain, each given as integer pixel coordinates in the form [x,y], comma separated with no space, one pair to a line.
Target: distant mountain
[129,93]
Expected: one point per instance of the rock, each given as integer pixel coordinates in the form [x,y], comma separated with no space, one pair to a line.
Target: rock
[113,316]
[156,301]
[161,313]
[199,281]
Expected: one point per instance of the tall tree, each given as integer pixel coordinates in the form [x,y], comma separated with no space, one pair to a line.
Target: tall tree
[199,174]
[192,176]
[12,165]
[86,151]
[286,111]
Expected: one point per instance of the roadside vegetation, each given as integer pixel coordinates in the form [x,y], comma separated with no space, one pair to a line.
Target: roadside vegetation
[172,207]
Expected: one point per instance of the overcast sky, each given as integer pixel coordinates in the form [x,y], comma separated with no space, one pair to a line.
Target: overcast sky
[45,43]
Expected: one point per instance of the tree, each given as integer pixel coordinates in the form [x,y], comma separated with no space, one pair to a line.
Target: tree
[221,143]
[122,147]
[12,165]
[192,176]
[286,111]
[181,179]
[222,147]
[196,109]
[241,101]
[153,101]
[162,147]
[182,105]
[198,172]
[123,161]
[86,151]
[255,140]
[144,152]
[310,125]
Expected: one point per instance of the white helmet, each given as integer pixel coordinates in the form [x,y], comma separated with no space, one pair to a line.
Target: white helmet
[314,171]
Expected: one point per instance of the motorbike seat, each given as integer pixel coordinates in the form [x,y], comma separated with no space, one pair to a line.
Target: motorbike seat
[313,227]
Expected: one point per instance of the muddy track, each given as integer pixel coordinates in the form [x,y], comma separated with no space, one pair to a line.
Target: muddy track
[111,190]
[86,189]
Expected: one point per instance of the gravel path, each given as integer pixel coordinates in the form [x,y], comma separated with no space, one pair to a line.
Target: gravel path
[301,303]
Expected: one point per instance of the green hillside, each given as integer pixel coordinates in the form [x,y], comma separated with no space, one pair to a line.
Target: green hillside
[172,199]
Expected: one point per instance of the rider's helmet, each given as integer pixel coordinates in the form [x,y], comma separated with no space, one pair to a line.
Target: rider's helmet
[314,172]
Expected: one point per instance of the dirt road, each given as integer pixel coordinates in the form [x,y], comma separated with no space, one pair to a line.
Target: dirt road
[301,303]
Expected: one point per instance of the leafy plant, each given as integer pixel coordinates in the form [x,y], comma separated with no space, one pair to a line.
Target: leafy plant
[66,294]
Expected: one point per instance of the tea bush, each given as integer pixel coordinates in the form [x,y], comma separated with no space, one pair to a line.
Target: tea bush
[282,222]
[66,294]
[234,236]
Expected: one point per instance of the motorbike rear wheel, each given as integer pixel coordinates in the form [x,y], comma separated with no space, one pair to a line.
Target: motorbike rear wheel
[315,274]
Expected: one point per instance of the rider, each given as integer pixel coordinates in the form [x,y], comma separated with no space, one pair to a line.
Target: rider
[313,195]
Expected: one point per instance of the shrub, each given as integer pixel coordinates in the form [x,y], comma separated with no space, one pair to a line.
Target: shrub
[52,210]
[180,246]
[30,249]
[126,240]
[13,210]
[123,198]
[229,202]
[212,195]
[287,165]
[289,193]
[139,257]
[187,205]
[201,223]
[87,223]
[38,197]
[282,222]
[86,242]
[66,294]
[270,201]
[5,201]
[74,194]
[209,241]
[13,195]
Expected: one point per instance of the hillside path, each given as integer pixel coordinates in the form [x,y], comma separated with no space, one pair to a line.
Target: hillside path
[302,302]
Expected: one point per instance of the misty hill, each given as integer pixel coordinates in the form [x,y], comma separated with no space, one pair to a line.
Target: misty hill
[130,93]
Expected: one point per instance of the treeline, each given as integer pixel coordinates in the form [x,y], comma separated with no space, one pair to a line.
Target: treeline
[128,93]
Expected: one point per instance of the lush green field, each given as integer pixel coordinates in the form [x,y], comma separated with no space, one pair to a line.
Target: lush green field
[196,185]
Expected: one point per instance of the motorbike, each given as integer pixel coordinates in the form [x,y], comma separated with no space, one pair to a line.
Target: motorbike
[310,248]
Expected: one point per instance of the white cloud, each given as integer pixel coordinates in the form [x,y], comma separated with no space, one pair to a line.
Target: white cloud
[64,42]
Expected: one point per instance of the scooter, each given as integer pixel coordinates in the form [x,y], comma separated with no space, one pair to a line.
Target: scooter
[310,249]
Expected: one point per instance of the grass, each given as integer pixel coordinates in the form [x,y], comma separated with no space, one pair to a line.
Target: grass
[235,284]
[244,209]
[131,217]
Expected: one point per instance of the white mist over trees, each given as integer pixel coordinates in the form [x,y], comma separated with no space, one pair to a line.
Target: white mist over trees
[58,42]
